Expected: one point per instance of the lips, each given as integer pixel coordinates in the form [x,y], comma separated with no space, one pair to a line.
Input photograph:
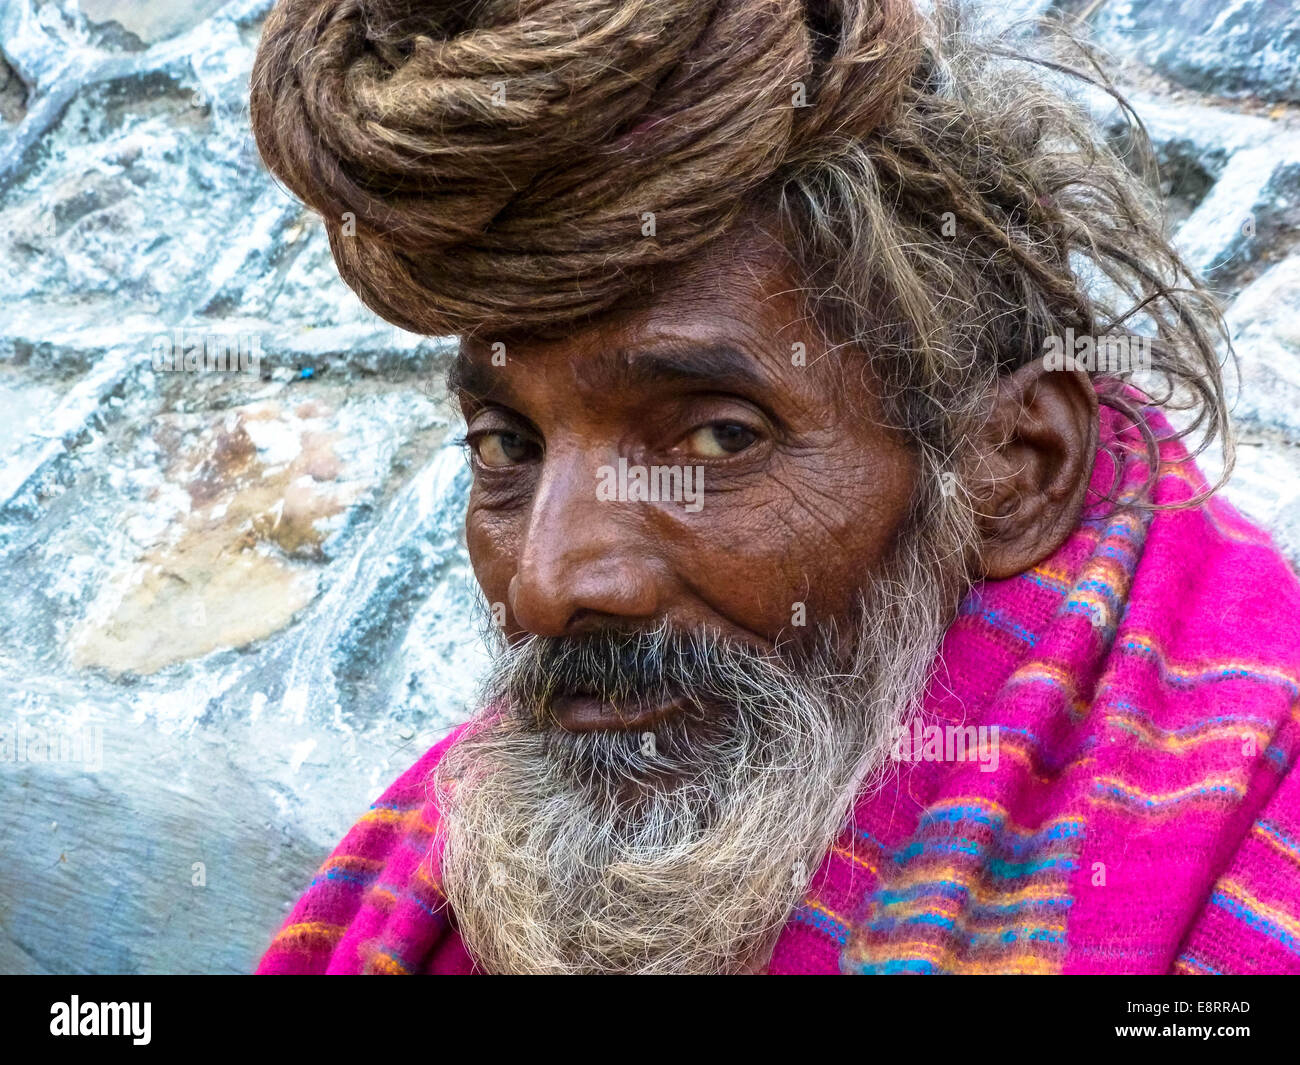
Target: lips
[580,712]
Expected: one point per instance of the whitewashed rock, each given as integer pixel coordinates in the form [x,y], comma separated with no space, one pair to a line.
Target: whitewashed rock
[1265,324]
[252,583]
[1227,47]
[1231,182]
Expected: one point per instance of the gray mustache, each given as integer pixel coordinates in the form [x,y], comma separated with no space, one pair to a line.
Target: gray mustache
[618,667]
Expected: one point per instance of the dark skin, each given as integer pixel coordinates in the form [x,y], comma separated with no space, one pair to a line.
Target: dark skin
[803,489]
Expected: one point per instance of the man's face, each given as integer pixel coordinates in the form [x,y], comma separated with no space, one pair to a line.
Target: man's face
[695,688]
[802,489]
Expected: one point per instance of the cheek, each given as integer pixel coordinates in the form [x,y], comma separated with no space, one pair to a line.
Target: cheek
[796,550]
[492,539]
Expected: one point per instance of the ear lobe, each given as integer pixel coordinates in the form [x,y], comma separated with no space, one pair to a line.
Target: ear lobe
[1031,476]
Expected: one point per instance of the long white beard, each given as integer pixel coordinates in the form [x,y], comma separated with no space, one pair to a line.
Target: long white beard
[604,852]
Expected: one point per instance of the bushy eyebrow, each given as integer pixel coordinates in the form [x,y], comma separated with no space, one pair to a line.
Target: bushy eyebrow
[679,360]
[711,363]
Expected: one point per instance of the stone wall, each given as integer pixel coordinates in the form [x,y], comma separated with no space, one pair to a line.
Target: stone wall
[237,604]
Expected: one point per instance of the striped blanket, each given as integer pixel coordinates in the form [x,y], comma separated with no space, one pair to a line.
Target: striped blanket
[1143,815]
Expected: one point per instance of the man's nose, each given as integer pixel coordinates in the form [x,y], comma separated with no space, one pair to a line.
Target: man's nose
[584,561]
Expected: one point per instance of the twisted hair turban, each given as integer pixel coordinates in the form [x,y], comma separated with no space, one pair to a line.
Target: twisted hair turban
[491,165]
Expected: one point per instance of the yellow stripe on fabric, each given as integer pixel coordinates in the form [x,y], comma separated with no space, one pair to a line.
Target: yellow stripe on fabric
[964,921]
[425,878]
[1023,962]
[844,852]
[1028,893]
[1000,812]
[1229,783]
[980,891]
[1205,670]
[1279,917]
[380,895]
[1169,740]
[386,965]
[1040,669]
[308,929]
[1288,852]
[385,815]
[813,904]
[351,861]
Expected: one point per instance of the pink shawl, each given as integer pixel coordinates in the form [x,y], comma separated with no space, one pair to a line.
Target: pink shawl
[1143,816]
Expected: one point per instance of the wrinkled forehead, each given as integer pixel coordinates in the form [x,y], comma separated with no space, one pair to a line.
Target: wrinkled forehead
[735,311]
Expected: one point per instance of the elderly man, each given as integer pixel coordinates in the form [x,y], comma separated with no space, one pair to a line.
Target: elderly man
[857,610]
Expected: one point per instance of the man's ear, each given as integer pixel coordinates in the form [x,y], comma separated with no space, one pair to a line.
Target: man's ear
[1033,466]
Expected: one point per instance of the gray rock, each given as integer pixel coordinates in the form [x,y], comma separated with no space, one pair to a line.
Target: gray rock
[1265,329]
[252,583]
[150,20]
[1227,47]
[1264,484]
[1231,182]
[1265,322]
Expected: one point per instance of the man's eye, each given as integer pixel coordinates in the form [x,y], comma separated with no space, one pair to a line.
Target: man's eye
[503,449]
[719,440]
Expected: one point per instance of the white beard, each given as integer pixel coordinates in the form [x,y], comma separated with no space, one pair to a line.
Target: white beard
[579,853]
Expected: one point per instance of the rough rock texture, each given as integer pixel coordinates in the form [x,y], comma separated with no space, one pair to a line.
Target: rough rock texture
[1238,48]
[237,603]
